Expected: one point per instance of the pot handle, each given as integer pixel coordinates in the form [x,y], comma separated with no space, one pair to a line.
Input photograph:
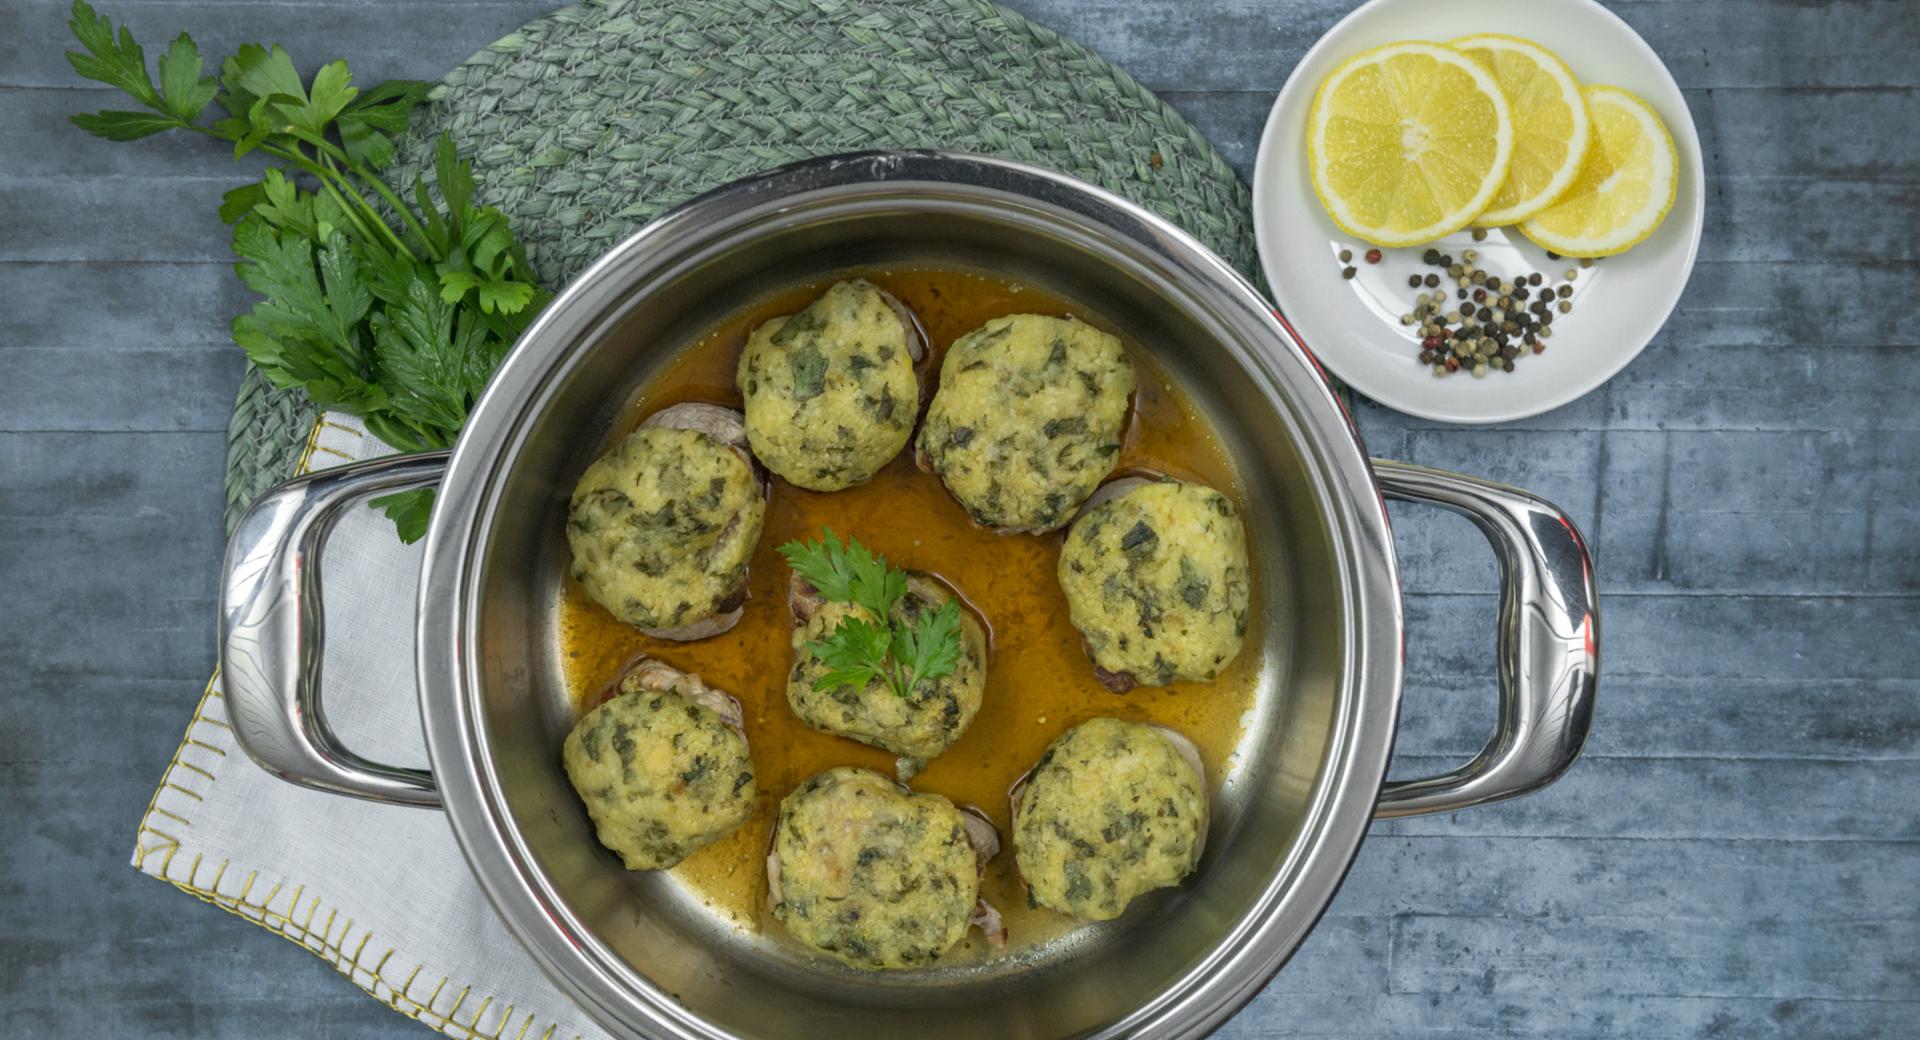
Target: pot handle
[1547,650]
[271,630]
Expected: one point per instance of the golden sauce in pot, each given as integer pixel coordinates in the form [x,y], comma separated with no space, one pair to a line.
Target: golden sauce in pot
[1040,680]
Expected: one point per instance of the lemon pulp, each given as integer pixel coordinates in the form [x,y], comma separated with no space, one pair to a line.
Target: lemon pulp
[1550,125]
[1625,187]
[1408,142]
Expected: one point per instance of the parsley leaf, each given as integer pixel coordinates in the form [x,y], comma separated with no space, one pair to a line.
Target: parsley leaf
[185,91]
[409,511]
[124,126]
[366,123]
[434,356]
[116,62]
[855,653]
[876,645]
[930,647]
[401,323]
[847,574]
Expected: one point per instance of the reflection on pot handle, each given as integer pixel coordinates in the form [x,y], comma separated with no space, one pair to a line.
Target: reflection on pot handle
[271,630]
[1548,647]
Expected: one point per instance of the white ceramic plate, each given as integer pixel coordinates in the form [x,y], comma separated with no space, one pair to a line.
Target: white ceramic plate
[1354,326]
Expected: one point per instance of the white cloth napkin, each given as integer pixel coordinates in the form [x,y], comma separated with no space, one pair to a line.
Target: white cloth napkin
[380,892]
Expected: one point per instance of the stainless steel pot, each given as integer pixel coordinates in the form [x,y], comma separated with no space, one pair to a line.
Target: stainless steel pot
[648,961]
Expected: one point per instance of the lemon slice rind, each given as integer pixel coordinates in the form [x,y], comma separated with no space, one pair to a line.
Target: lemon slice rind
[1320,114]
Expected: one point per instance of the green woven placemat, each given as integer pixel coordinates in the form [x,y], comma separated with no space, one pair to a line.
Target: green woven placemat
[587,123]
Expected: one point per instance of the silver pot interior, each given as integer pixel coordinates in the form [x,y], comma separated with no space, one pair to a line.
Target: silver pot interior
[650,959]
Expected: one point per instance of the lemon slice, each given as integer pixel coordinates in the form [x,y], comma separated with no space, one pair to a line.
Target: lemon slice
[1408,142]
[1550,125]
[1625,187]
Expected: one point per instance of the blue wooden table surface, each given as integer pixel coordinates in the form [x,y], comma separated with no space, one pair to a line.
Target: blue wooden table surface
[1737,855]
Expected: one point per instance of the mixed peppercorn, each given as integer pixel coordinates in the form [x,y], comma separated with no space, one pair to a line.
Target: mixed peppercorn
[1473,320]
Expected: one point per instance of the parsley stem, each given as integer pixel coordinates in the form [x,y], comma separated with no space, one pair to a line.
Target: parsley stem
[325,176]
[327,179]
[331,154]
[346,208]
[378,220]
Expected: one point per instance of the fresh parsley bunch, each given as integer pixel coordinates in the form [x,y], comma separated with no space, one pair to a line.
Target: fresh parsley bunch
[860,648]
[396,311]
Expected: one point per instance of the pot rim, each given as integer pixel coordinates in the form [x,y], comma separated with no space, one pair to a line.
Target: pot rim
[1368,593]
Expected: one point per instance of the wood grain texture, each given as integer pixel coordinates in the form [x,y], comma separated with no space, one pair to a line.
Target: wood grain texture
[1736,856]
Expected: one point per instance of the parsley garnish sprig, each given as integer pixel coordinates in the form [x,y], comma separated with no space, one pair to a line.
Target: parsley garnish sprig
[396,311]
[877,645]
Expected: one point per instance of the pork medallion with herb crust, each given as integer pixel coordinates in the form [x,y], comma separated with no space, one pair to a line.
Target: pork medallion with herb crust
[1112,810]
[878,876]
[1028,419]
[662,527]
[883,656]
[1156,578]
[831,395]
[662,767]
